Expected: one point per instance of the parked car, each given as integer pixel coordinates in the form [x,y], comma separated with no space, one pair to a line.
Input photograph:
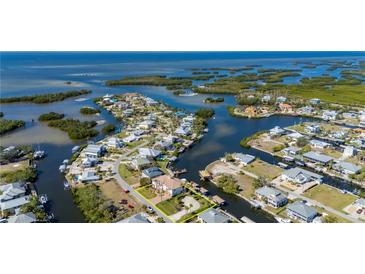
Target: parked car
[150,209]
[126,190]
[130,206]
[123,202]
[359,211]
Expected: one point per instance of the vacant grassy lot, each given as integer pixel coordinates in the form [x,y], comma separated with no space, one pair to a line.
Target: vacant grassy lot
[147,192]
[263,169]
[246,184]
[329,196]
[14,166]
[131,177]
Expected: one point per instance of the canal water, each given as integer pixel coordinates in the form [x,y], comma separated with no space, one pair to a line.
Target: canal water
[34,73]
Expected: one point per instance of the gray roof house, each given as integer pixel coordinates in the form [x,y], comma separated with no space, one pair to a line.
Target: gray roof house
[140,163]
[360,202]
[14,204]
[291,150]
[273,196]
[137,218]
[244,159]
[12,191]
[89,176]
[28,217]
[301,176]
[93,151]
[318,157]
[347,168]
[301,211]
[151,172]
[149,152]
[213,216]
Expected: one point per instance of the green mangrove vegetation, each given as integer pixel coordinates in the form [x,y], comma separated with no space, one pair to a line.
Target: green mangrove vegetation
[10,125]
[51,116]
[89,110]
[108,128]
[213,100]
[75,128]
[44,98]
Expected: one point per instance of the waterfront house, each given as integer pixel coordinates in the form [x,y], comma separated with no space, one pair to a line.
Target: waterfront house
[307,110]
[115,143]
[291,150]
[213,215]
[329,115]
[319,144]
[276,131]
[315,101]
[312,129]
[271,196]
[340,134]
[346,168]
[183,131]
[281,99]
[360,203]
[318,157]
[151,172]
[28,217]
[349,151]
[140,163]
[94,151]
[243,159]
[168,184]
[87,162]
[300,176]
[136,218]
[350,115]
[138,132]
[285,107]
[131,138]
[149,152]
[165,145]
[150,102]
[294,136]
[147,124]
[266,98]
[12,191]
[89,176]
[301,211]
[12,206]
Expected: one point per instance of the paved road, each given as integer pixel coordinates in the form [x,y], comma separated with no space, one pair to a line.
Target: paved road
[123,184]
[313,202]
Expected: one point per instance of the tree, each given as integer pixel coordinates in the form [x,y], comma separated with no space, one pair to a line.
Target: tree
[144,181]
[330,219]
[302,142]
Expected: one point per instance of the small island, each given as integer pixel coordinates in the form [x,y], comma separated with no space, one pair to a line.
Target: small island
[51,116]
[76,129]
[10,125]
[109,128]
[214,100]
[44,98]
[89,110]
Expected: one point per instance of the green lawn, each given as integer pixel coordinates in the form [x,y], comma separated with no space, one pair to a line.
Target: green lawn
[163,166]
[329,196]
[263,169]
[170,206]
[130,176]
[147,192]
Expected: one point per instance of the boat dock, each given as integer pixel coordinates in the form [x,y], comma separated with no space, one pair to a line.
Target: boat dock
[204,175]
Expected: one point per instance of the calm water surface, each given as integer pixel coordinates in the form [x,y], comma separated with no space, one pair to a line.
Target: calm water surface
[34,73]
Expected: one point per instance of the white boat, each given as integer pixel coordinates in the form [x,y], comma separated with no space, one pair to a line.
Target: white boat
[75,149]
[206,130]
[65,162]
[62,168]
[43,199]
[39,154]
[66,184]
[282,165]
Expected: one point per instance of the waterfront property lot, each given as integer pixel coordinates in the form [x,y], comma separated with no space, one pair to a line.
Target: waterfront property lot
[180,208]
[12,167]
[246,185]
[263,169]
[330,196]
[263,142]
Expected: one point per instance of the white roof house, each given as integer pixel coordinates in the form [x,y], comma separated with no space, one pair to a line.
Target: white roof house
[294,135]
[28,217]
[213,216]
[347,168]
[184,131]
[319,144]
[329,115]
[114,142]
[301,176]
[301,211]
[244,159]
[277,131]
[349,151]
[130,139]
[12,191]
[89,176]
[13,204]
[149,152]
[93,151]
[318,157]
